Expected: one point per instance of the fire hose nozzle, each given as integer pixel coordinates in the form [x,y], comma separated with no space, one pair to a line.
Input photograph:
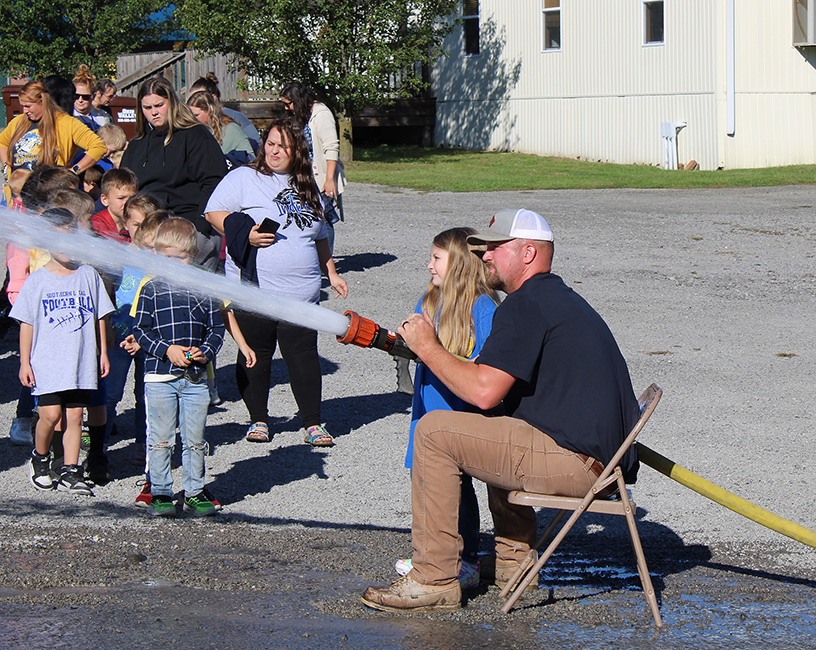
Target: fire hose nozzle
[361,331]
[365,333]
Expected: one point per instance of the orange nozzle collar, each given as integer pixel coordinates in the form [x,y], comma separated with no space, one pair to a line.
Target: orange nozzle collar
[361,331]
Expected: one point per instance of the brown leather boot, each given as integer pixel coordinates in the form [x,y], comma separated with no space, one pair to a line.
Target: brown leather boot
[497,571]
[406,594]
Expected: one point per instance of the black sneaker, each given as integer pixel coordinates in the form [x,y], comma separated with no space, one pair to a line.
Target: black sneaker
[97,468]
[162,505]
[199,505]
[39,471]
[56,468]
[71,480]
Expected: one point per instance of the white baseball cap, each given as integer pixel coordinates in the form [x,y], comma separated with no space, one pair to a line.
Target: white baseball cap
[514,224]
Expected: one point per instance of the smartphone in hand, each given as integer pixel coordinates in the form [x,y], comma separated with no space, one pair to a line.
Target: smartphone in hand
[268,226]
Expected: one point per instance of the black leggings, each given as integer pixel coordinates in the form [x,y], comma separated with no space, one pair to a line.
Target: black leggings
[298,346]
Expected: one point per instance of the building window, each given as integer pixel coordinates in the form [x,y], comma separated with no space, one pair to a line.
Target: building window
[470,22]
[652,22]
[550,25]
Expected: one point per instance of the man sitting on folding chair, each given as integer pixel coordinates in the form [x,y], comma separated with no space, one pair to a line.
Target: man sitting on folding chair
[548,356]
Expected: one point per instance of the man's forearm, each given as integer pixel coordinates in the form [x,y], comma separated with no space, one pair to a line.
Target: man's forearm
[474,383]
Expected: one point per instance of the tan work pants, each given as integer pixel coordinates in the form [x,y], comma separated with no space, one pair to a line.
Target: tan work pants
[507,454]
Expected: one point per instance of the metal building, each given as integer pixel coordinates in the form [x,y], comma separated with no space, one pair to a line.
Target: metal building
[597,79]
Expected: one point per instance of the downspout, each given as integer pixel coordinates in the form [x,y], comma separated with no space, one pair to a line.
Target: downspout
[730,58]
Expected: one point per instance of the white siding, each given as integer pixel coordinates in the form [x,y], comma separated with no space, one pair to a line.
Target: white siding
[775,82]
[604,94]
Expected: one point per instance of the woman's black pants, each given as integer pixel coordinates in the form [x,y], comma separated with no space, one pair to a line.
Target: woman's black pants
[298,346]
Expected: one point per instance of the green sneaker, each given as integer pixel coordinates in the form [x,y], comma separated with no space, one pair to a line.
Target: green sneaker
[162,505]
[199,505]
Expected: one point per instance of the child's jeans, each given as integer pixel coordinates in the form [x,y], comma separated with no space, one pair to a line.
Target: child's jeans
[115,383]
[168,403]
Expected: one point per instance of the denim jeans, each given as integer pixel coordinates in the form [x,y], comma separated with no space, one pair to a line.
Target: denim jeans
[332,214]
[115,382]
[169,403]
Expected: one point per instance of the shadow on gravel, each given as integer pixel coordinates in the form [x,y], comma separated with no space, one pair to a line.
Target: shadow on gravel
[259,474]
[596,559]
[12,455]
[347,414]
[9,370]
[759,573]
[362,261]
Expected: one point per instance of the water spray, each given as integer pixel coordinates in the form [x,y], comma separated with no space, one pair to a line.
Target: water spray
[32,231]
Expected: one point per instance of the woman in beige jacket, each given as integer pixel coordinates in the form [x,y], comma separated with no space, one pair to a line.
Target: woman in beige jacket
[320,129]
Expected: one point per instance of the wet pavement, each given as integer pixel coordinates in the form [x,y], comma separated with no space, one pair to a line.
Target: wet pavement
[225,584]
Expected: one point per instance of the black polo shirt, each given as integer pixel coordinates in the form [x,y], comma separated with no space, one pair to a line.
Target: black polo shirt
[572,381]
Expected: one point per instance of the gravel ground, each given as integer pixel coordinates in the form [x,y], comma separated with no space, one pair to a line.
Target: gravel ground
[710,293]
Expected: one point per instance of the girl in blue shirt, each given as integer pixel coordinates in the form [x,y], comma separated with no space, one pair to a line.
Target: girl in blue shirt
[461,303]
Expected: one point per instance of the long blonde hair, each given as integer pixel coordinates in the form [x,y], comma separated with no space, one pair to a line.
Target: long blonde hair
[35,92]
[216,120]
[451,305]
[179,117]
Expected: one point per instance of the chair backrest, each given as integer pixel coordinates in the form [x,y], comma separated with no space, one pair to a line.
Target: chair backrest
[647,403]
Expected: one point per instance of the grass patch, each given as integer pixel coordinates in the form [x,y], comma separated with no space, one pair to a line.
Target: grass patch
[457,170]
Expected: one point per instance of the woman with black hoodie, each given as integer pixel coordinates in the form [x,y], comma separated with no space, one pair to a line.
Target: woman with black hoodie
[176,160]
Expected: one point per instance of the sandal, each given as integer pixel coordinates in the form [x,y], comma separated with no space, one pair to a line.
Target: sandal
[317,436]
[258,432]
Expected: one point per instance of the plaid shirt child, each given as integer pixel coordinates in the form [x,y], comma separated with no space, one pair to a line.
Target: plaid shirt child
[168,316]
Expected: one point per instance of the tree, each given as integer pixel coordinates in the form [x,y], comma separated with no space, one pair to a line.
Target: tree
[41,37]
[349,50]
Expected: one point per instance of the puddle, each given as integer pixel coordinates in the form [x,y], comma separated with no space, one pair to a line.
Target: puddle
[249,588]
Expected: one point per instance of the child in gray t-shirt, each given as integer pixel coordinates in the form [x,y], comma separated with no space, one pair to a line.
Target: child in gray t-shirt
[63,352]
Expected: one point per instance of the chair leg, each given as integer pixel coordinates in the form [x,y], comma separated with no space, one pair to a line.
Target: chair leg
[550,528]
[519,574]
[643,570]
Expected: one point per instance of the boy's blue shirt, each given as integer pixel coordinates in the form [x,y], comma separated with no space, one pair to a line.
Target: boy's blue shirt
[168,316]
[126,292]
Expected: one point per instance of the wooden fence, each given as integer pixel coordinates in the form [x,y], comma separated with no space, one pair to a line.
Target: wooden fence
[408,120]
[182,69]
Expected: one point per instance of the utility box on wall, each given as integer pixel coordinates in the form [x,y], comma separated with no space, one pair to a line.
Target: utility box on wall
[804,23]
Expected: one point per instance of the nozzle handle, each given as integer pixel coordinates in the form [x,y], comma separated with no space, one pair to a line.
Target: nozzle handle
[405,384]
[400,349]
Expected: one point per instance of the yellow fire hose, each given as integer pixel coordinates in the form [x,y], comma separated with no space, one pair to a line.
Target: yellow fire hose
[724,497]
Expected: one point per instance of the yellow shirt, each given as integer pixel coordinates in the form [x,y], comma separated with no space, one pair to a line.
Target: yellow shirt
[71,135]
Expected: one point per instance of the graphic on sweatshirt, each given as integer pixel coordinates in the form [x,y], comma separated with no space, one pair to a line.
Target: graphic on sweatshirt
[27,150]
[67,310]
[290,205]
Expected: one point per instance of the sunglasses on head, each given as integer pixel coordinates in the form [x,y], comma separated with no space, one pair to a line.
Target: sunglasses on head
[87,97]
